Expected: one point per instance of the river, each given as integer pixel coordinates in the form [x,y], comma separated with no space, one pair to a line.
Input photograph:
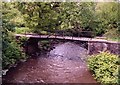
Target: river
[66,63]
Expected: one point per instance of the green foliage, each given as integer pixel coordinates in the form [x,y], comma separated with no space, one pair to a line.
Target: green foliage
[11,17]
[113,34]
[44,45]
[11,52]
[104,67]
[51,16]
[107,16]
[85,16]
[22,40]
[23,30]
[77,15]
[39,15]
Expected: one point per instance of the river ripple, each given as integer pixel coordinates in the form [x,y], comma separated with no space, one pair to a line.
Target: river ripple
[64,64]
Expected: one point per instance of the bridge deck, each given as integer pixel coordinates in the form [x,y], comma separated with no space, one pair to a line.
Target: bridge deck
[66,38]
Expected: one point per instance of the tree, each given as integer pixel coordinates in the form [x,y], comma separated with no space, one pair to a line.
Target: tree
[39,15]
[78,17]
[11,51]
[107,14]
[83,16]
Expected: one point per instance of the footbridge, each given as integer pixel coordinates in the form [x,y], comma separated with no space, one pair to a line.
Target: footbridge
[95,45]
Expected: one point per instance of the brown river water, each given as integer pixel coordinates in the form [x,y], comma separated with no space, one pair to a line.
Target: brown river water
[64,64]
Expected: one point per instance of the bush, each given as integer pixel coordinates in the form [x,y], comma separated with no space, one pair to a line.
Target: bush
[22,30]
[104,67]
[23,39]
[11,52]
[44,45]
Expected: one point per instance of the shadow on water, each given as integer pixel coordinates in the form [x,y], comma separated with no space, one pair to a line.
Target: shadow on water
[64,64]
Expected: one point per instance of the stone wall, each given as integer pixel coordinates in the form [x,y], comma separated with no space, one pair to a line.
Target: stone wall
[96,47]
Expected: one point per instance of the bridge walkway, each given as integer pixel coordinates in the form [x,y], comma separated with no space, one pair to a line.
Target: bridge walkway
[65,37]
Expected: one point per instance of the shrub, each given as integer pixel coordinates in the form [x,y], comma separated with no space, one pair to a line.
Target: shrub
[23,30]
[11,52]
[23,39]
[104,67]
[44,45]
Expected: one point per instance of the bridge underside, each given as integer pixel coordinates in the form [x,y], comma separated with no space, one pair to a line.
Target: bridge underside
[32,46]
